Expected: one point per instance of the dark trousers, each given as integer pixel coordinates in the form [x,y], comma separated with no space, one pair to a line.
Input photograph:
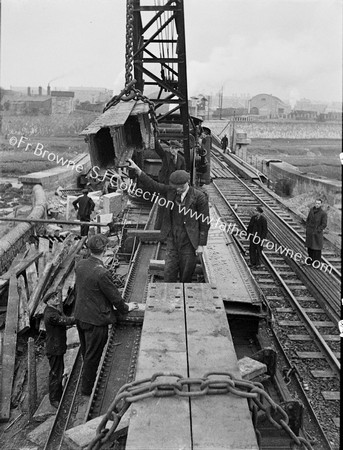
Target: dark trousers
[159,217]
[255,253]
[180,259]
[85,228]
[92,340]
[55,377]
[315,255]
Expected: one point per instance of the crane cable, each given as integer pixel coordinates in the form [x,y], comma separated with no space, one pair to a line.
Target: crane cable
[130,92]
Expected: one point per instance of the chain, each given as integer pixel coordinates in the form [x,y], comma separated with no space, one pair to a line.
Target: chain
[130,92]
[212,383]
[151,104]
[129,42]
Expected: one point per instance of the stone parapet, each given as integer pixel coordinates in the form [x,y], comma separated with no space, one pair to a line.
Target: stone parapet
[12,243]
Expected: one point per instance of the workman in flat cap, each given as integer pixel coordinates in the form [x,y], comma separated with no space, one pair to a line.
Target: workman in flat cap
[84,206]
[257,231]
[171,161]
[96,298]
[56,324]
[185,222]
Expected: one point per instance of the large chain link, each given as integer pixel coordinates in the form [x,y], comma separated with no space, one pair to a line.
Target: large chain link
[212,383]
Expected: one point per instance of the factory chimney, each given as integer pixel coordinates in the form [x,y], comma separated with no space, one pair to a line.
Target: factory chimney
[29,91]
[40,90]
[48,90]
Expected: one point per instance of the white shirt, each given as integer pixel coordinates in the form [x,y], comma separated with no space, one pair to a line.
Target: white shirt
[183,195]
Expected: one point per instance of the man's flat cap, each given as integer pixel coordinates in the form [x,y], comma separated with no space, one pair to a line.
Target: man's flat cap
[84,191]
[175,144]
[179,177]
[97,243]
[49,296]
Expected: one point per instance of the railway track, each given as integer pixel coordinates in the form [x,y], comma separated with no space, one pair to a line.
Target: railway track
[297,341]
[122,345]
[303,301]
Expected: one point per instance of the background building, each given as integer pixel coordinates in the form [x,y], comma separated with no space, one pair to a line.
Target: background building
[91,94]
[62,102]
[268,106]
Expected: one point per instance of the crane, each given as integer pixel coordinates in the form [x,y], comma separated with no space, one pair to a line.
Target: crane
[155,61]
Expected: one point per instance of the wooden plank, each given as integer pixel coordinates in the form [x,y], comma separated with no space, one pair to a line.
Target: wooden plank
[303,337]
[41,286]
[323,373]
[19,266]
[24,317]
[161,423]
[298,323]
[59,254]
[44,247]
[336,421]
[156,266]
[299,337]
[60,275]
[218,421]
[32,278]
[9,349]
[145,235]
[310,355]
[331,395]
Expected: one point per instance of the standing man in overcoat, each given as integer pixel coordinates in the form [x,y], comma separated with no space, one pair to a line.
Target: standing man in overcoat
[316,223]
[257,230]
[84,206]
[224,143]
[96,295]
[185,222]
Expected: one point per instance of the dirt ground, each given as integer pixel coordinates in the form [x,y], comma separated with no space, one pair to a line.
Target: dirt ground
[15,161]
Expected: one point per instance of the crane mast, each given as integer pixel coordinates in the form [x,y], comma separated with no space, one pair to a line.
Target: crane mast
[158,45]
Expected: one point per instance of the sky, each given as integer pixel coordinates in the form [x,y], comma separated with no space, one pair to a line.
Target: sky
[288,48]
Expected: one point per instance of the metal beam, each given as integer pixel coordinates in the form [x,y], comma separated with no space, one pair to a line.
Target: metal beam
[170,37]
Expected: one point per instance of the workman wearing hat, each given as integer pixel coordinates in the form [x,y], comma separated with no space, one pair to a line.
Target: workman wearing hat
[257,231]
[96,295]
[84,206]
[171,161]
[185,222]
[56,324]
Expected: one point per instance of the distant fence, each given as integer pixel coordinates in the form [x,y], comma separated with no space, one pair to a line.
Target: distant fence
[280,130]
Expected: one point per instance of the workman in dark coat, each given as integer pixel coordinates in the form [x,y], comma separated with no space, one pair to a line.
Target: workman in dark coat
[171,161]
[84,206]
[316,223]
[56,324]
[257,231]
[96,295]
[224,143]
[185,222]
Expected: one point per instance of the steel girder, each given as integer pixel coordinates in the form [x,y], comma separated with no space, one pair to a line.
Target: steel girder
[159,54]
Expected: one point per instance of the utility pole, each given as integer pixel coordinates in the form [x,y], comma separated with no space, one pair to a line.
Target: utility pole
[220,102]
